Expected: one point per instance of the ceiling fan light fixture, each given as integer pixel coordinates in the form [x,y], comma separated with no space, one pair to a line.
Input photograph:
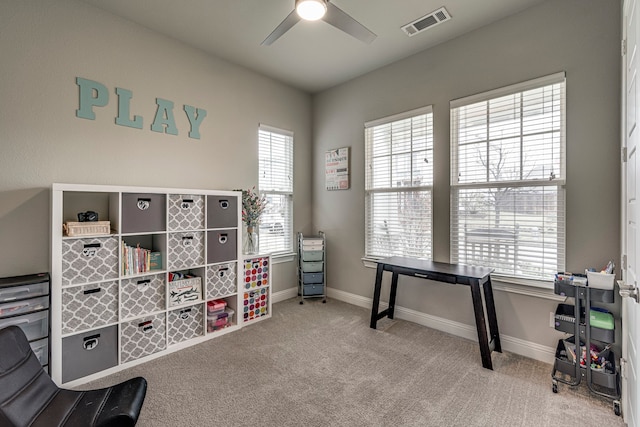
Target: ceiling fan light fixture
[311,10]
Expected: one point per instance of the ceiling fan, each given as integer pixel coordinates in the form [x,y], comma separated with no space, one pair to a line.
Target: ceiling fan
[312,10]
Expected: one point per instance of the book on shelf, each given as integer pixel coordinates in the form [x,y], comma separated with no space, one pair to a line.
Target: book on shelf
[137,260]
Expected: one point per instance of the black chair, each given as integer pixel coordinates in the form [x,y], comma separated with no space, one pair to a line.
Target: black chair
[28,396]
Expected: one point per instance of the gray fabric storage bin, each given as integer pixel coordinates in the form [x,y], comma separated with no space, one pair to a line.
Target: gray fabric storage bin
[143,213]
[89,352]
[222,211]
[221,245]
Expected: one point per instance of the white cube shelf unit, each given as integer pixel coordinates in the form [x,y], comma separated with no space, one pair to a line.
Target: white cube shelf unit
[147,287]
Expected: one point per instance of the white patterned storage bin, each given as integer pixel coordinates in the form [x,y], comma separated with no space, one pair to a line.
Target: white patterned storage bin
[186,250]
[89,306]
[89,260]
[142,337]
[256,272]
[185,323]
[186,212]
[142,295]
[221,280]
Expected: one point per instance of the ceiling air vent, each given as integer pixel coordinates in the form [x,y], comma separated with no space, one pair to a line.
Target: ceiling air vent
[432,19]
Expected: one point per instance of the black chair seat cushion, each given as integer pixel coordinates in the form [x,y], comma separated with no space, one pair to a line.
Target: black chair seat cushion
[28,396]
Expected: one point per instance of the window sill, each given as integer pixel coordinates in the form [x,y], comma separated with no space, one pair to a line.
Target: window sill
[529,287]
[281,257]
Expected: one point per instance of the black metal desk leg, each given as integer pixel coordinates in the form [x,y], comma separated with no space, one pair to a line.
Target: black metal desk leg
[376,296]
[392,294]
[485,350]
[491,315]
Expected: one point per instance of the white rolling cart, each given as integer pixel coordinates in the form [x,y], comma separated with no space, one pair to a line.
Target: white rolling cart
[312,267]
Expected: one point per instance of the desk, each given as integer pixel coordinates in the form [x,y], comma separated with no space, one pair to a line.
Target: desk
[474,277]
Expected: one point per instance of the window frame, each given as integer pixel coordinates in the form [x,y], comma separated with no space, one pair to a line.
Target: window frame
[286,194]
[556,179]
[412,190]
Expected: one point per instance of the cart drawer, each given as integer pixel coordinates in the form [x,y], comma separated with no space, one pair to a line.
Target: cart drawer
[312,266]
[312,278]
[313,290]
[34,325]
[23,306]
[12,292]
[312,255]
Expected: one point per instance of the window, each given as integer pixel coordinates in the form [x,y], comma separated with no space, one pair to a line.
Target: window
[275,182]
[398,185]
[507,179]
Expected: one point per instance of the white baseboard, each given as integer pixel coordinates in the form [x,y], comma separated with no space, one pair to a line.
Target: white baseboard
[511,344]
[284,295]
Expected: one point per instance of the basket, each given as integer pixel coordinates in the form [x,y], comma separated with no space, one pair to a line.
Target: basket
[90,228]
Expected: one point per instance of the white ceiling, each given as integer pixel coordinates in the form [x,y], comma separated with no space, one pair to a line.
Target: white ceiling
[312,56]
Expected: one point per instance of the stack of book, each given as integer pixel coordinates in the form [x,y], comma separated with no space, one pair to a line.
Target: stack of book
[136,260]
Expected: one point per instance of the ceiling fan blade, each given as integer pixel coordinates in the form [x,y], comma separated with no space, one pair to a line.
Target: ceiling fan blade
[342,21]
[284,26]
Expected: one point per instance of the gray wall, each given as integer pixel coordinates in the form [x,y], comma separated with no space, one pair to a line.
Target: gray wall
[581,37]
[46,44]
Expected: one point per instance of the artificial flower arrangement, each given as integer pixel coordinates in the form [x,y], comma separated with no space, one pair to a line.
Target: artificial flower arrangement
[253,205]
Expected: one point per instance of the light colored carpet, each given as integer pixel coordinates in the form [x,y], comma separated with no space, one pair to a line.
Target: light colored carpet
[321,365]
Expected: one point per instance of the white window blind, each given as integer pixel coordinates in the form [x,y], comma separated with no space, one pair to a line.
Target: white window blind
[275,157]
[398,185]
[507,179]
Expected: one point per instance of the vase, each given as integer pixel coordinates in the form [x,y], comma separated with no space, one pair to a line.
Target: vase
[250,241]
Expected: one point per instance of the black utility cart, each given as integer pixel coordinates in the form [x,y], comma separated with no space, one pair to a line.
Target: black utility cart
[603,378]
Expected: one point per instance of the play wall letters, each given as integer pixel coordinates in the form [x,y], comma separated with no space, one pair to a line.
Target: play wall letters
[94,94]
